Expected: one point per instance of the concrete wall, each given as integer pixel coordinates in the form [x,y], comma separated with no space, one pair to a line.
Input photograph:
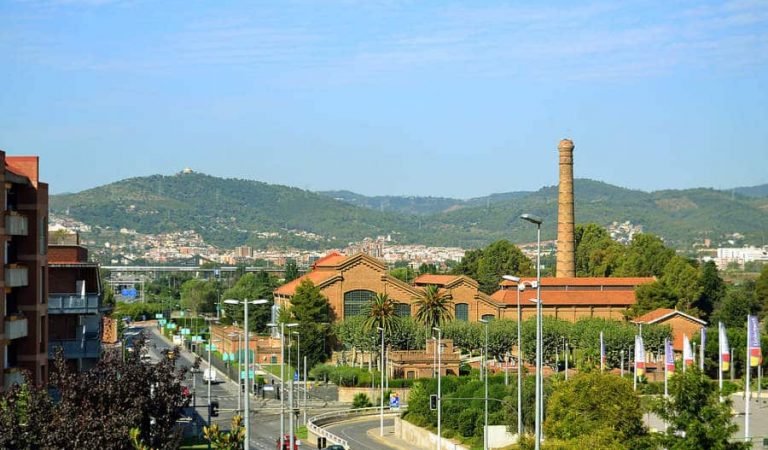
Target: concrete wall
[346,394]
[421,438]
[499,437]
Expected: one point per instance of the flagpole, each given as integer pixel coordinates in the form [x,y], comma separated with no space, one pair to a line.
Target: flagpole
[634,366]
[666,376]
[602,353]
[701,349]
[747,388]
[720,358]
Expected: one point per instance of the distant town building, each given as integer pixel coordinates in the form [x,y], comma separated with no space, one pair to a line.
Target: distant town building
[24,309]
[244,251]
[740,255]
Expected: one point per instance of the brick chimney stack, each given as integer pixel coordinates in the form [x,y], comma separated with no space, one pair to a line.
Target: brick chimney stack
[566,256]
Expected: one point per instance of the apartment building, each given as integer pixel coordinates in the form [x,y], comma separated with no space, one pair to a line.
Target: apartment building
[23,303]
[75,309]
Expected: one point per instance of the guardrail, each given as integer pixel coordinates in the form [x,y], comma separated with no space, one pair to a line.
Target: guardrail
[314,423]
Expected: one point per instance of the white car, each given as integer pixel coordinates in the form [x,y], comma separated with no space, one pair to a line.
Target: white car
[209,374]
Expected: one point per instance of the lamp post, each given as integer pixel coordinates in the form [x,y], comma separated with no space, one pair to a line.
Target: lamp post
[381,400]
[485,366]
[282,326]
[539,375]
[210,344]
[439,391]
[298,363]
[246,417]
[520,288]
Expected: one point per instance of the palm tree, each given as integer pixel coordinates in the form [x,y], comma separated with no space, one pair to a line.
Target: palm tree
[381,313]
[434,307]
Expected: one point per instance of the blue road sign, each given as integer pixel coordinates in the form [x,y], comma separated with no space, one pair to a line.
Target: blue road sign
[394,401]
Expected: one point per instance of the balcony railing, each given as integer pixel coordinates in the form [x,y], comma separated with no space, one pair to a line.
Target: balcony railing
[16,327]
[76,348]
[16,225]
[12,377]
[16,276]
[73,303]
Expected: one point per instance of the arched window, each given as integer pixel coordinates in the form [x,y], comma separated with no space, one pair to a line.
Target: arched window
[402,310]
[462,311]
[355,302]
[488,317]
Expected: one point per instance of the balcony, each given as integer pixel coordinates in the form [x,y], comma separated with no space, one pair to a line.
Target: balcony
[76,348]
[16,276]
[12,376]
[16,224]
[73,304]
[16,327]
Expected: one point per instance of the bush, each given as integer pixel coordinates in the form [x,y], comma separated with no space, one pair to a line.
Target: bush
[361,400]
[468,420]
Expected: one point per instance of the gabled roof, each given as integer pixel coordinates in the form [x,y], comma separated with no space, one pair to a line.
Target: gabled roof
[438,280]
[330,260]
[316,277]
[662,314]
[584,281]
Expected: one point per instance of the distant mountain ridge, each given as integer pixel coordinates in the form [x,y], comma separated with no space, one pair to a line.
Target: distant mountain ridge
[229,212]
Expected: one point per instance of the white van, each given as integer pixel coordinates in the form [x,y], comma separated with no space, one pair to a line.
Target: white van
[209,374]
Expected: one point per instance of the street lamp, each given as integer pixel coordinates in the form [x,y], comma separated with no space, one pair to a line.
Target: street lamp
[245,303]
[282,326]
[381,402]
[485,369]
[239,377]
[439,390]
[539,375]
[210,375]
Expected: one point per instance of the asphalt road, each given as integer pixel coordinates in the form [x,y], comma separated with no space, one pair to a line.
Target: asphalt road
[356,433]
[264,414]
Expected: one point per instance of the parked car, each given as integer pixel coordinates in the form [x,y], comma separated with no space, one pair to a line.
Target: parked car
[287,443]
[335,447]
[210,374]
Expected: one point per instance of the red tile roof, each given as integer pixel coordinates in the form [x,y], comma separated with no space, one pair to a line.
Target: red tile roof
[316,277]
[563,298]
[653,315]
[440,280]
[330,260]
[585,281]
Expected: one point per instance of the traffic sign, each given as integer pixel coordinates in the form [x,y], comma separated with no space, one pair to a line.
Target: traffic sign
[212,347]
[394,401]
[296,376]
[251,374]
[186,331]
[162,322]
[225,356]
[159,316]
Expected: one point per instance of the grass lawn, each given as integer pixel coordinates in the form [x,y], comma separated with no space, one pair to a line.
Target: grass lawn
[274,369]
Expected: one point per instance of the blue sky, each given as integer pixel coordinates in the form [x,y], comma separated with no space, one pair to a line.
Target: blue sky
[388,97]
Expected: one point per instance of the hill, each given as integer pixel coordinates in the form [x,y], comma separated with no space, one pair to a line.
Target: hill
[229,212]
[753,191]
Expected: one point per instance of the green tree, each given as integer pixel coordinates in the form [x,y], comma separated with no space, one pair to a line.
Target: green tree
[761,290]
[652,296]
[425,268]
[405,274]
[592,402]
[311,310]
[226,440]
[712,289]
[739,302]
[682,281]
[381,313]
[291,270]
[597,255]
[361,400]
[251,286]
[498,259]
[433,307]
[696,417]
[198,296]
[646,256]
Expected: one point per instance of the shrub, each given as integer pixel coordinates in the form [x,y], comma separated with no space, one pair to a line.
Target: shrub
[361,400]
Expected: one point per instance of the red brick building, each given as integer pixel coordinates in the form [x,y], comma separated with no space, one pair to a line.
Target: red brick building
[75,309]
[23,303]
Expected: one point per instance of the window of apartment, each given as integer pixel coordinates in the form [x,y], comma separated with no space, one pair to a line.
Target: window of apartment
[402,310]
[462,312]
[355,302]
[43,235]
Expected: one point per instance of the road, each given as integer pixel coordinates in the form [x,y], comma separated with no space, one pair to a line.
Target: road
[356,433]
[264,414]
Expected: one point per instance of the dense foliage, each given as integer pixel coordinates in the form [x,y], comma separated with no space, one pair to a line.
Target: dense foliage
[97,408]
[489,264]
[204,203]
[696,417]
[310,309]
[251,286]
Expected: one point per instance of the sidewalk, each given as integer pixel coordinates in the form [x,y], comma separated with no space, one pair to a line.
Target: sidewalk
[389,439]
